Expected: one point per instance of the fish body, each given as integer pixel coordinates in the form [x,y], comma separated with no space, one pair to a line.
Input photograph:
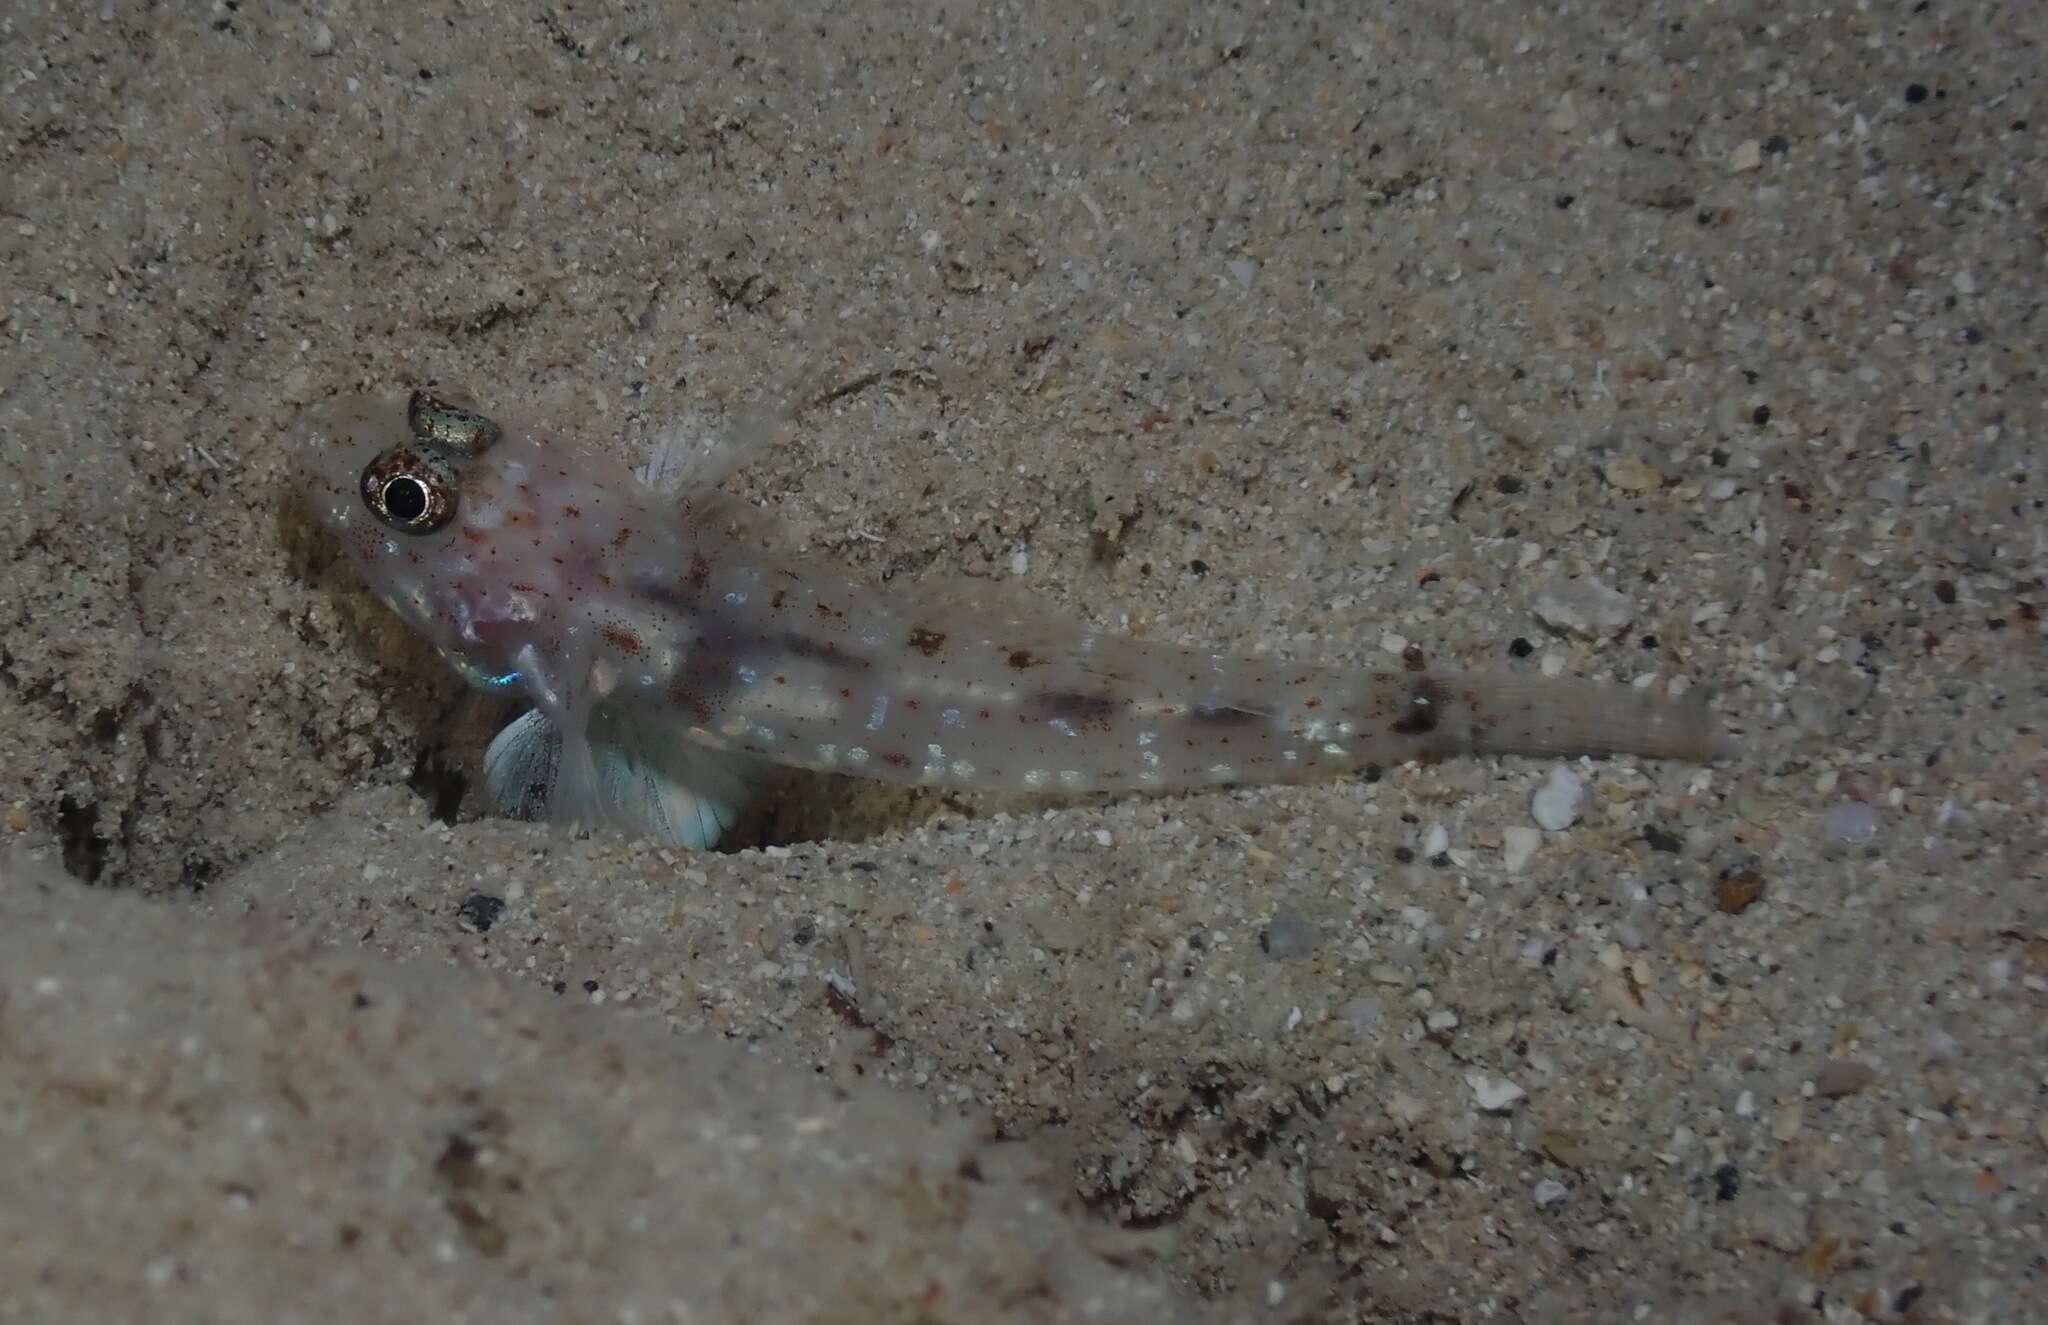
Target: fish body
[672,647]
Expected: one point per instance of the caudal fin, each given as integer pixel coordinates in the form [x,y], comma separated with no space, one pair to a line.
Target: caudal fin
[1517,713]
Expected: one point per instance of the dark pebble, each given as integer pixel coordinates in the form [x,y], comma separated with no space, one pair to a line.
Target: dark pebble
[480,911]
[1737,891]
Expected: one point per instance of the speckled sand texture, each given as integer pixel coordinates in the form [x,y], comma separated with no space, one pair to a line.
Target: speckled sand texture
[1689,345]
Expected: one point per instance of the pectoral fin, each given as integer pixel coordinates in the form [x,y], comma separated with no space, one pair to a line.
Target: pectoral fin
[639,778]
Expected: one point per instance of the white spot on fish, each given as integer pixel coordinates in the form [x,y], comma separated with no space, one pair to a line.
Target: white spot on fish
[877,712]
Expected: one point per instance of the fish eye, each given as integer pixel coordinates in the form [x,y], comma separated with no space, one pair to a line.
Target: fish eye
[408,491]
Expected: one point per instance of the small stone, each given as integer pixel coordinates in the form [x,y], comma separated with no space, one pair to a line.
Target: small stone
[1563,1145]
[1842,1076]
[1549,1192]
[1517,845]
[1363,1014]
[1787,1119]
[1441,1020]
[480,911]
[1436,841]
[323,40]
[1852,821]
[1287,934]
[1747,156]
[1736,892]
[1586,608]
[1557,803]
[1966,281]
[1632,475]
[1494,1096]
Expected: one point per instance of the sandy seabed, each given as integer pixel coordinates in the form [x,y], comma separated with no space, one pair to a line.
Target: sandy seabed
[1685,344]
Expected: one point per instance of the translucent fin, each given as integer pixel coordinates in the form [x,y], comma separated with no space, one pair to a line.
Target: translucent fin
[1539,715]
[695,452]
[639,778]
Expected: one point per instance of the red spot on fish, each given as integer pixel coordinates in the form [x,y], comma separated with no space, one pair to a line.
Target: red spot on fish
[622,638]
[686,699]
[1024,659]
[573,511]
